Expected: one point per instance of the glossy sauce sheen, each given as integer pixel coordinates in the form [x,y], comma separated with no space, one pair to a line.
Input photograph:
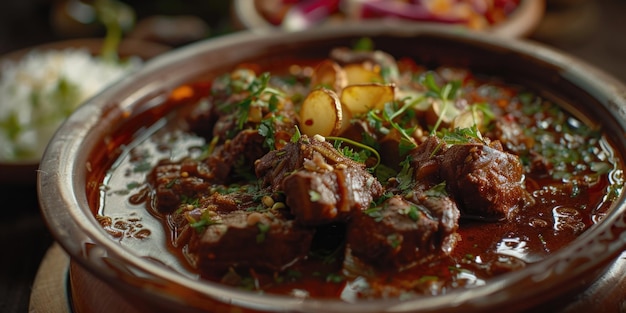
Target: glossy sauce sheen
[562,210]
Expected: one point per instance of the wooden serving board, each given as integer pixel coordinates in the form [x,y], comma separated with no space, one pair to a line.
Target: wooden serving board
[49,293]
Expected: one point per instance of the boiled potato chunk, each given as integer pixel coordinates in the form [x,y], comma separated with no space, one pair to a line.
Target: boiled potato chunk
[345,120]
[442,112]
[468,119]
[362,74]
[362,98]
[321,113]
[329,74]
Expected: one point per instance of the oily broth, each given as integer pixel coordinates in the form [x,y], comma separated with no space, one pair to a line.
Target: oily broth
[127,215]
[126,206]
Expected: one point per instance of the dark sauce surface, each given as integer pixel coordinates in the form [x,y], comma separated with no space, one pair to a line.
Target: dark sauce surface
[572,190]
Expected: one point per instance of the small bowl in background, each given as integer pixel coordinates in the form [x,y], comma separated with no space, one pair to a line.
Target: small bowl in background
[520,23]
[23,170]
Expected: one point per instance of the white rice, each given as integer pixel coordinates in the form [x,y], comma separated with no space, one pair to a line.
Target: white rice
[31,108]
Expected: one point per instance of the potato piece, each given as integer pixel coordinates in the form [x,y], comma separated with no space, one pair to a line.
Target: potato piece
[362,74]
[345,120]
[438,111]
[321,113]
[362,98]
[416,99]
[468,118]
[329,74]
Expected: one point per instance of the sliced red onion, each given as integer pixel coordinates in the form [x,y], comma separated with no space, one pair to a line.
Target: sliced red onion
[411,11]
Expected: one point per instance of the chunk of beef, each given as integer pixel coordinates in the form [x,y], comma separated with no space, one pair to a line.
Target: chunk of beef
[423,169]
[247,146]
[236,154]
[225,126]
[249,239]
[485,181]
[203,117]
[514,140]
[426,162]
[174,181]
[229,202]
[400,233]
[320,197]
[512,136]
[276,165]
[320,184]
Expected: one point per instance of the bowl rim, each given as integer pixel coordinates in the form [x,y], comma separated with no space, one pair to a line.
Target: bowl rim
[520,23]
[61,183]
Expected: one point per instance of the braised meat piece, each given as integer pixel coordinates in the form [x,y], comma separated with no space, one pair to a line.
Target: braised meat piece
[485,181]
[238,153]
[320,184]
[264,240]
[273,167]
[426,163]
[174,181]
[331,195]
[203,117]
[512,136]
[400,233]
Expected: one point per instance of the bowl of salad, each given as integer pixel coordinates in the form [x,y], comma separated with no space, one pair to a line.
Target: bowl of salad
[512,18]
[375,167]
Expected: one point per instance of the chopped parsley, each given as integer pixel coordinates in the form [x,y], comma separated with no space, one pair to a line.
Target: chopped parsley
[263,230]
[335,278]
[405,176]
[266,129]
[314,196]
[437,191]
[461,135]
[206,220]
[375,213]
[394,240]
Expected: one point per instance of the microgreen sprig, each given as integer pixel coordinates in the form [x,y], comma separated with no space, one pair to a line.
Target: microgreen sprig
[389,114]
[445,94]
[359,145]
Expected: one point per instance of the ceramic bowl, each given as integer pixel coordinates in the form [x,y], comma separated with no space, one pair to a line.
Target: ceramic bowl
[82,150]
[524,19]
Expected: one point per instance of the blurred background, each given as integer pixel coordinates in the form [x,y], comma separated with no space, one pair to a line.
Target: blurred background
[592,30]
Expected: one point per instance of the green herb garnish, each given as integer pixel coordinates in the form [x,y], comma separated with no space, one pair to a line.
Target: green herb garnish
[263,230]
